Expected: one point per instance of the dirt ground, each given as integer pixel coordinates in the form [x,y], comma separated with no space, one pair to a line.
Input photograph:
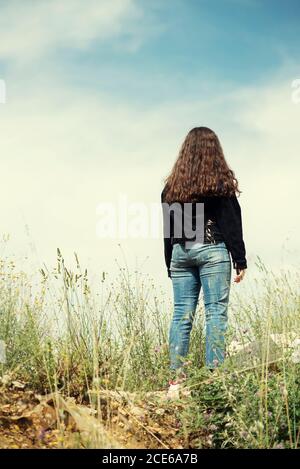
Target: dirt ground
[29,420]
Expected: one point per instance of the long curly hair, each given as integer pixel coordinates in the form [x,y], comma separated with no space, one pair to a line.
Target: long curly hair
[200,169]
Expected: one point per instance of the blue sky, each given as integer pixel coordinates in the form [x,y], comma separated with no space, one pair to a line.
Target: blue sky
[192,45]
[100,95]
[184,47]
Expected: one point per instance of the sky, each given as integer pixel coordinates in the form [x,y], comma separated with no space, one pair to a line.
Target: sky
[99,96]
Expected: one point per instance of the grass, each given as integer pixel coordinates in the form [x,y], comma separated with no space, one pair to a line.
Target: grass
[64,335]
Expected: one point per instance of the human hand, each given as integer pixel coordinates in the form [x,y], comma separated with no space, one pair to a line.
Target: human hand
[240,274]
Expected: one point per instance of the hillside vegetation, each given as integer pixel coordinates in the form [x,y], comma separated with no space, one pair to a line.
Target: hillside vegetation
[88,366]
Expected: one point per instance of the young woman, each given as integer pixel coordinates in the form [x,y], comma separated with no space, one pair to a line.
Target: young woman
[201,177]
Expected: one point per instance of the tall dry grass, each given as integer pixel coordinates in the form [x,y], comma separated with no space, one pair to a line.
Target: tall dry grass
[66,336]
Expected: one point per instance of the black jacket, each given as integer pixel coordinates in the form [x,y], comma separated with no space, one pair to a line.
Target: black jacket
[222,222]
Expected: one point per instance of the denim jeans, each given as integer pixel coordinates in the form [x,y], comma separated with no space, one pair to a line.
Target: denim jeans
[207,266]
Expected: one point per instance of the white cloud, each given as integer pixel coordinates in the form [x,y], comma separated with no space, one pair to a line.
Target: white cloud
[33,28]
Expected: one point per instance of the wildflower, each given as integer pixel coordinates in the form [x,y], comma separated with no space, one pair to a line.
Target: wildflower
[283,390]
[187,363]
[278,446]
[259,425]
[213,427]
[42,434]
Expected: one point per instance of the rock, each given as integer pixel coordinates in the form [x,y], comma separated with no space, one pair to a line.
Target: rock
[18,385]
[252,353]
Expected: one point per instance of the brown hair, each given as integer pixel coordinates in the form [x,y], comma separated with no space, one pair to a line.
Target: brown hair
[200,169]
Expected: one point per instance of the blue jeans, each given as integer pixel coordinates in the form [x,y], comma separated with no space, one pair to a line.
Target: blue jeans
[209,266]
